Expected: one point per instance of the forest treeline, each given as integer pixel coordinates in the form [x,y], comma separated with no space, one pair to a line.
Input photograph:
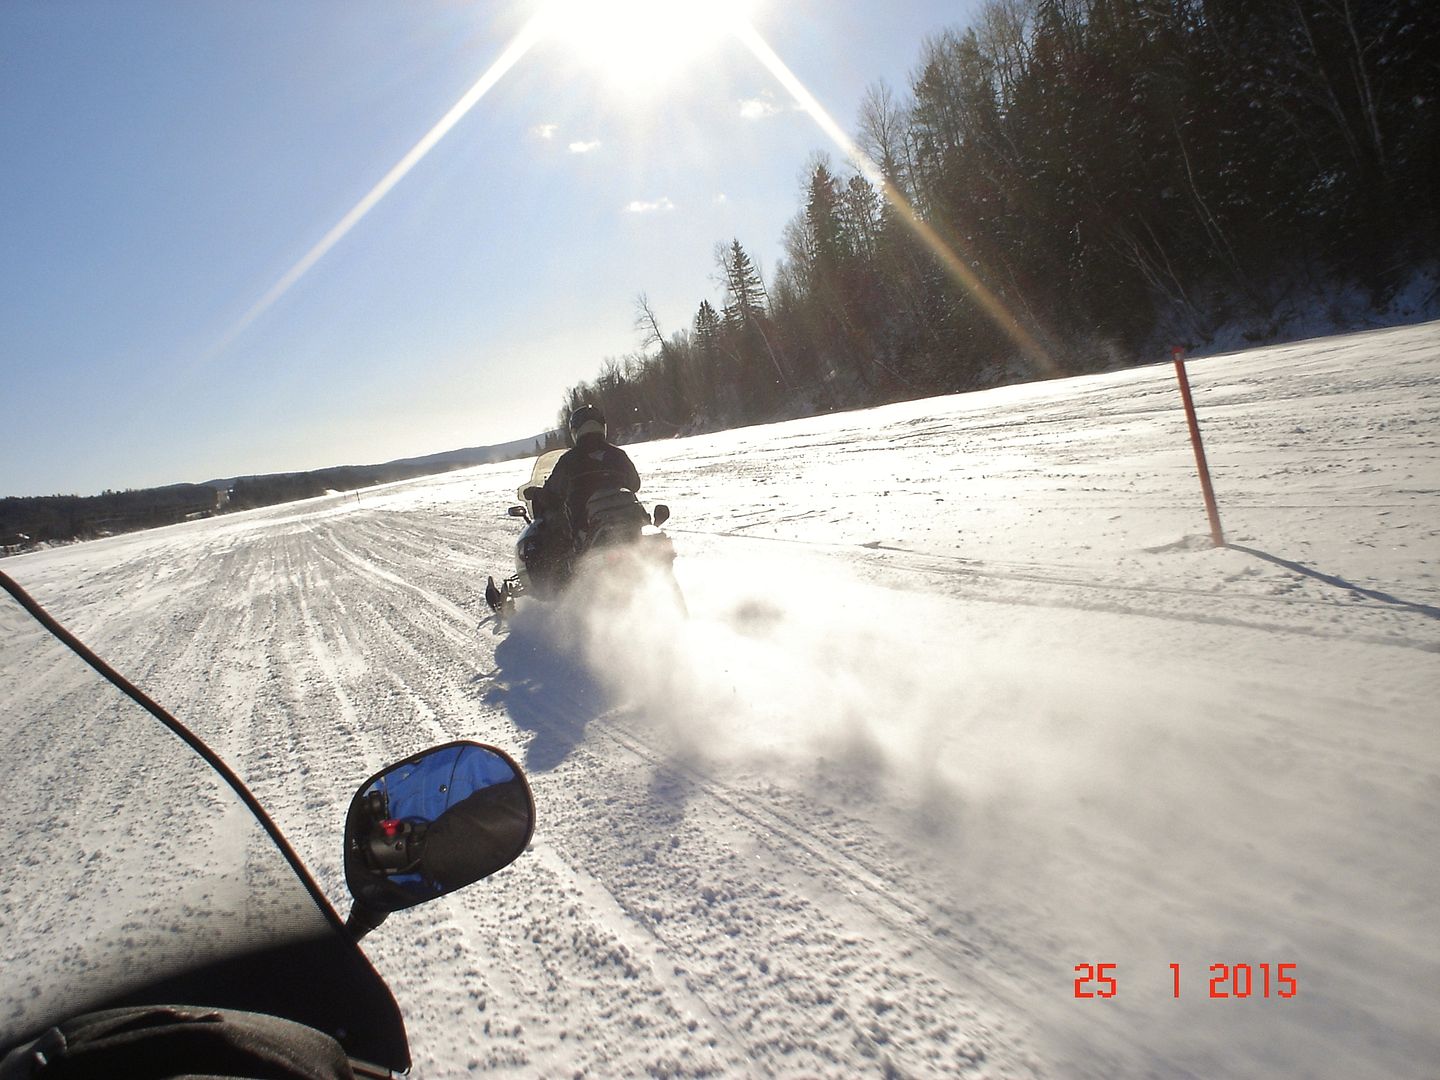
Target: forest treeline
[30,522]
[1069,185]
[34,521]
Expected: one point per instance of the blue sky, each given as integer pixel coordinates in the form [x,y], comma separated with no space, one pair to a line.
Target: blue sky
[166,164]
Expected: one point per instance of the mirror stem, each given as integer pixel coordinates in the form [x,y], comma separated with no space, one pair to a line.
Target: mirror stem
[363,919]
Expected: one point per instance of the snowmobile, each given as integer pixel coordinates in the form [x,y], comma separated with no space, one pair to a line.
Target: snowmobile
[176,931]
[618,538]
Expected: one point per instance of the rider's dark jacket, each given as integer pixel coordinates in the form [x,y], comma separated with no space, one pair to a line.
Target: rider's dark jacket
[589,465]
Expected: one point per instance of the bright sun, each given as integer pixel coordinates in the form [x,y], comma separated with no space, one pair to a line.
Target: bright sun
[639,45]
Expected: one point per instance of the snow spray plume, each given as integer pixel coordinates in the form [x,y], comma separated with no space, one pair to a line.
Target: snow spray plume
[994,747]
[806,674]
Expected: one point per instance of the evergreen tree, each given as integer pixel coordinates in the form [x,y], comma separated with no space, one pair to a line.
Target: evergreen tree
[744,291]
[1113,172]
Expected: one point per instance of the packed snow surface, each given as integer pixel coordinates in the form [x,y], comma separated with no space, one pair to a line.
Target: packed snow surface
[966,700]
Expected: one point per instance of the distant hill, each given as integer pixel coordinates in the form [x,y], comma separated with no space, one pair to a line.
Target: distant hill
[32,522]
[403,468]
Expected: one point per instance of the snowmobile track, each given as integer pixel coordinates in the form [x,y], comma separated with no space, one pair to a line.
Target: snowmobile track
[957,957]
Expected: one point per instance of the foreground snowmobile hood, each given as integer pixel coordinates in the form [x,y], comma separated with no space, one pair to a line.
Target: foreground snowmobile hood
[138,876]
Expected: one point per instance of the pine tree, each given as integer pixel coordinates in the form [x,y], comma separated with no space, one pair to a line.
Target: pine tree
[744,291]
[707,328]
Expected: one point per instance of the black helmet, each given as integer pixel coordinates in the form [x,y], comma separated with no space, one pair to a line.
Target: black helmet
[585,420]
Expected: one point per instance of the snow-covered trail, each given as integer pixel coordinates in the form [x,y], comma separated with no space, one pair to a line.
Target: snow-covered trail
[962,703]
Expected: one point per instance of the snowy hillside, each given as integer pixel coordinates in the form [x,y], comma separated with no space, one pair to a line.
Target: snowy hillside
[966,700]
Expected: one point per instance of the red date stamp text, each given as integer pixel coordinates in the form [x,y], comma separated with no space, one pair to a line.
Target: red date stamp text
[1227,981]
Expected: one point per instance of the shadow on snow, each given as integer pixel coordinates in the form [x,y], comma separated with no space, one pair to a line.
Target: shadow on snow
[1427,610]
[544,683]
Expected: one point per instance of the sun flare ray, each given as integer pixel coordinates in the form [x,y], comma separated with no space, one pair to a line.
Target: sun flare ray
[639,44]
[521,44]
[954,265]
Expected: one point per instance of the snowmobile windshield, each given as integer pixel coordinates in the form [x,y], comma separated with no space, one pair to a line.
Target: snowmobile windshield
[136,875]
[544,466]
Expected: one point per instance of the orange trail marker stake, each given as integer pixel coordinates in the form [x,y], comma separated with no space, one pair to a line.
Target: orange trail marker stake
[1210,508]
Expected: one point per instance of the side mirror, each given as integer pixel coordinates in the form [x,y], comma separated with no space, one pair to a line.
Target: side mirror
[433,823]
[516,511]
[661,514]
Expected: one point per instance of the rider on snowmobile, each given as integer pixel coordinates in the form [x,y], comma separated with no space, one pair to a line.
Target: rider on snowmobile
[591,463]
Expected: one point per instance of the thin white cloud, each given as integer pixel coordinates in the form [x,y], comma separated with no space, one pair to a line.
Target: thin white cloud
[545,131]
[584,147]
[640,207]
[758,108]
[721,199]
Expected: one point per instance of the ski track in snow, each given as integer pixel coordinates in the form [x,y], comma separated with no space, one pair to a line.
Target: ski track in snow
[965,699]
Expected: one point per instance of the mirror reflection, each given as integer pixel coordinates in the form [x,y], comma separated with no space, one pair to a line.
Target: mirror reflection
[434,823]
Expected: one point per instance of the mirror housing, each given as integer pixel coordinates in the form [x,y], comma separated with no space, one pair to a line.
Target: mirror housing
[516,511]
[661,515]
[436,822]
